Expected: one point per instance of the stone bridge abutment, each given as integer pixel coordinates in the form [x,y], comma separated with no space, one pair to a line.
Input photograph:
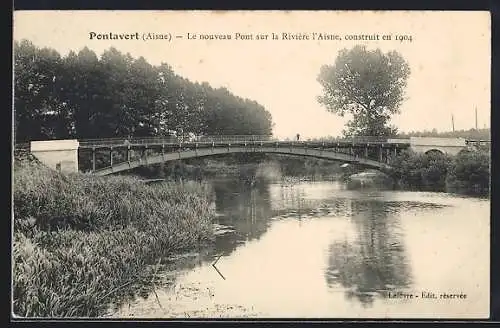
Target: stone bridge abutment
[61,155]
[449,146]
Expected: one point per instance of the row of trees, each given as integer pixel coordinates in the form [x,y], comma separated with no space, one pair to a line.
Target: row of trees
[483,134]
[81,95]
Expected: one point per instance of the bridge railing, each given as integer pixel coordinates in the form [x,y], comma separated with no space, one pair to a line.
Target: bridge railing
[23,146]
[481,141]
[234,138]
[360,139]
[176,140]
[228,139]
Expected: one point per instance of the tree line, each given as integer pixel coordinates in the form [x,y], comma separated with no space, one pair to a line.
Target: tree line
[483,134]
[82,95]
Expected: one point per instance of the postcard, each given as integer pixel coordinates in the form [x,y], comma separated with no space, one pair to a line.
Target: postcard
[251,164]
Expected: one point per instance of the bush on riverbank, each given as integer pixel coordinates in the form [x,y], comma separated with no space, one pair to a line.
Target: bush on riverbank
[421,171]
[467,172]
[78,239]
[470,173]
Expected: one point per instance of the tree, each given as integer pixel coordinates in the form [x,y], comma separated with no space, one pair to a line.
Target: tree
[367,84]
[83,91]
[40,111]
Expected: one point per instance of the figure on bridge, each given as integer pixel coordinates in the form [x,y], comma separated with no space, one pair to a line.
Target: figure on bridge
[298,137]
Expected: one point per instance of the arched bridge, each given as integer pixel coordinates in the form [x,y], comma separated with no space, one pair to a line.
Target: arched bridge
[119,154]
[202,152]
[370,152]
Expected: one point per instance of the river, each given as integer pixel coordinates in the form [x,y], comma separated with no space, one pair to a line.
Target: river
[315,249]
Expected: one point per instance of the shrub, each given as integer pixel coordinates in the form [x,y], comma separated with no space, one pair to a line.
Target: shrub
[421,171]
[470,173]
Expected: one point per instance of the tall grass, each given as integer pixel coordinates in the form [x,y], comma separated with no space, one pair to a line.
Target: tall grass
[79,239]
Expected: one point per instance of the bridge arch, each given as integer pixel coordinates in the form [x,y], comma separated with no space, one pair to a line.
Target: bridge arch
[464,151]
[434,151]
[204,152]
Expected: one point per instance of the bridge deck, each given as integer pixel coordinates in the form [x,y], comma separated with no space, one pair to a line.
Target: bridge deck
[210,141]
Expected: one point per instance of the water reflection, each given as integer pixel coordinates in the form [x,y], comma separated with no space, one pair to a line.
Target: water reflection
[368,265]
[315,249]
[292,201]
[243,207]
[375,261]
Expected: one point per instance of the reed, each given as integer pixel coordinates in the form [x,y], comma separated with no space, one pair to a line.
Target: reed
[79,240]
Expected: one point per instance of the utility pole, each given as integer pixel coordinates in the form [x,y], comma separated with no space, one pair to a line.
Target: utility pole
[452,123]
[476,117]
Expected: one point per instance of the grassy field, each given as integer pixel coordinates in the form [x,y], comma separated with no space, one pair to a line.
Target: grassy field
[80,240]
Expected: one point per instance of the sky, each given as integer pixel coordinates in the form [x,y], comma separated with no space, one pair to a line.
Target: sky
[449,57]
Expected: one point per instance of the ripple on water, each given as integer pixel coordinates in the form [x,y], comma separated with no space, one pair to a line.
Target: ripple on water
[220,229]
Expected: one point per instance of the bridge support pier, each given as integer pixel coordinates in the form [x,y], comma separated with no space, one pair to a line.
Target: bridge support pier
[111,155]
[128,154]
[380,154]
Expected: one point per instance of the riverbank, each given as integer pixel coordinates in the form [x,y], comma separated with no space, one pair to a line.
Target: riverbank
[467,173]
[79,240]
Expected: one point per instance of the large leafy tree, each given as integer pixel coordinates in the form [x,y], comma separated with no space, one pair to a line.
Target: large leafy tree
[367,84]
